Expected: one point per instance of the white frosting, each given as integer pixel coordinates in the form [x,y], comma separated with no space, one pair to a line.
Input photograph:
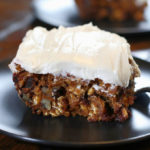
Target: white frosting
[83,51]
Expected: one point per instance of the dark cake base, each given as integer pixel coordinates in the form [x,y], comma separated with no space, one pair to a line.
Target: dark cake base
[59,95]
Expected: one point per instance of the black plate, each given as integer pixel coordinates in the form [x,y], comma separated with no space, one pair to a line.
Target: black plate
[16,120]
[64,12]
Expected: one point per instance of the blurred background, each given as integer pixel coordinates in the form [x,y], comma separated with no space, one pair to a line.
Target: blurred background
[123,17]
[18,16]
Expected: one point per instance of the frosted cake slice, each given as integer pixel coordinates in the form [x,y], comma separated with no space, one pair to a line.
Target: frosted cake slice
[75,71]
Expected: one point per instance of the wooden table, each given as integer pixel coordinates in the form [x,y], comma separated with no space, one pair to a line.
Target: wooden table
[15,19]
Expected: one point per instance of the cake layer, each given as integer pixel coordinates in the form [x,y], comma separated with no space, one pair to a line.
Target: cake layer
[65,96]
[84,51]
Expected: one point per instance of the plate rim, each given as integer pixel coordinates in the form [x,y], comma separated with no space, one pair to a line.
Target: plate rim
[77,144]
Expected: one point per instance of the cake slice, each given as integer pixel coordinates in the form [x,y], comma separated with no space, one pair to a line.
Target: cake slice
[113,10]
[75,71]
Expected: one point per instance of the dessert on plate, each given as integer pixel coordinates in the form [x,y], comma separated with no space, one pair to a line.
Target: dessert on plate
[75,71]
[114,10]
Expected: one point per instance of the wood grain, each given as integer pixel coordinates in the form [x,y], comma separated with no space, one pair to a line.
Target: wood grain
[15,20]
[7,143]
